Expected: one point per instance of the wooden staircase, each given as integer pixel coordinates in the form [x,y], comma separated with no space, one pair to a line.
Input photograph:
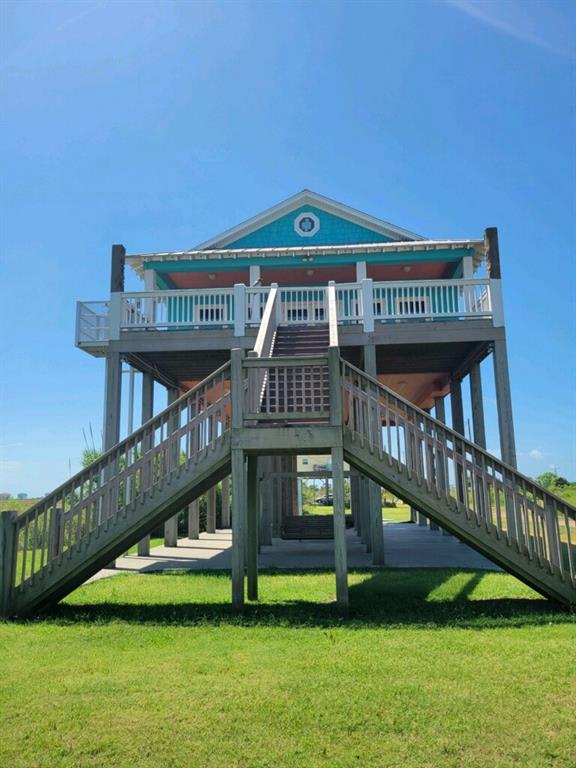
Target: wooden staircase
[110,505]
[176,456]
[489,505]
[296,340]
[298,389]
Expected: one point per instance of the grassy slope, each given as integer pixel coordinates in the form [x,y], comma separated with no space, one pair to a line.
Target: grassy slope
[434,668]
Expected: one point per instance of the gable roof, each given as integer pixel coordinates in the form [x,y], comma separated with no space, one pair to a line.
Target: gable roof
[306,197]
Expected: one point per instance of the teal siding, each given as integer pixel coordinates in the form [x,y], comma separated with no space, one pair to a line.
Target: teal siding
[333,231]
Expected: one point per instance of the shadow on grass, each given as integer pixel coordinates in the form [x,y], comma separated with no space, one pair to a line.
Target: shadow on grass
[386,598]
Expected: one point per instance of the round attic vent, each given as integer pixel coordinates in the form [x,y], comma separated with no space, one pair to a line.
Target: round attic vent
[306,224]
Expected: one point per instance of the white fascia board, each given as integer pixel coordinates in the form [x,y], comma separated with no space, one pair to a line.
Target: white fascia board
[307,197]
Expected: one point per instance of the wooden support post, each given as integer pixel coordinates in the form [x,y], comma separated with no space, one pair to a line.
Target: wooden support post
[147,412]
[238,526]
[354,499]
[171,525]
[339,509]
[457,406]
[226,502]
[8,549]
[117,268]
[374,493]
[504,403]
[171,532]
[376,523]
[440,409]
[194,519]
[238,476]
[340,554]
[211,511]
[492,253]
[458,426]
[477,405]
[278,498]
[252,528]
[441,470]
[112,400]
[365,510]
[267,500]
[112,409]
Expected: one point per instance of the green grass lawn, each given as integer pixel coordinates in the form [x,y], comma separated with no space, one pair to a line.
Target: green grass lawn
[398,514]
[433,668]
[18,505]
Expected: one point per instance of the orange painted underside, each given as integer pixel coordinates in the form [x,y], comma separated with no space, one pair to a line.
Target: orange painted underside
[309,276]
[418,388]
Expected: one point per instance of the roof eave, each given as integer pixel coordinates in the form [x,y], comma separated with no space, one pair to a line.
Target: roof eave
[137,261]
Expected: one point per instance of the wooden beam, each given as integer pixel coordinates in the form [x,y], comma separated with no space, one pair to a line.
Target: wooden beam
[238,526]
[171,525]
[211,511]
[252,528]
[112,402]
[374,494]
[117,269]
[340,554]
[226,502]
[457,406]
[194,519]
[8,547]
[146,413]
[142,365]
[492,253]
[477,405]
[504,404]
[288,439]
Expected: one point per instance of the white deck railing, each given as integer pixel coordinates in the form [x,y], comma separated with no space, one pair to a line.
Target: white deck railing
[362,303]
[432,299]
[92,323]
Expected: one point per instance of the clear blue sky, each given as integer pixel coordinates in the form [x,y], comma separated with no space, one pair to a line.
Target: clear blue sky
[160,124]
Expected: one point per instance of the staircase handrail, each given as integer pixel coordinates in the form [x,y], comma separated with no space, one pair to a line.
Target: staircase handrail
[268,325]
[457,436]
[103,460]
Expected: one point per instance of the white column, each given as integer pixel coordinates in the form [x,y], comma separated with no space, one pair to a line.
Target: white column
[368,305]
[239,309]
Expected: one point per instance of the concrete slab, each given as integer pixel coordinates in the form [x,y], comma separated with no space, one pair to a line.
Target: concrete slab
[405,546]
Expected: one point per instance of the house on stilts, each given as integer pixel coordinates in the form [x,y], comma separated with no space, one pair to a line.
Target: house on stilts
[312,329]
